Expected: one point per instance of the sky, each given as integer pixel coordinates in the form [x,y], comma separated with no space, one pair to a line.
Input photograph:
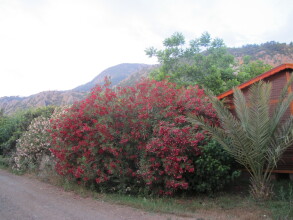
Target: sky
[50,45]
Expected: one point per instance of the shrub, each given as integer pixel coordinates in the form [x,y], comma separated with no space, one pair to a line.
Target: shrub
[32,145]
[12,127]
[32,148]
[129,138]
[214,169]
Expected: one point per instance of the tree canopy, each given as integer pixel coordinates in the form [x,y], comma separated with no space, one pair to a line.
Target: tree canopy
[204,61]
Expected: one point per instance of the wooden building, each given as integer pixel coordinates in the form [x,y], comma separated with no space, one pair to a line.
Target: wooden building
[278,76]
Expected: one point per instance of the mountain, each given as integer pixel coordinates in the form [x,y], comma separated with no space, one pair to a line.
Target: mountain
[14,103]
[115,73]
[272,52]
[135,77]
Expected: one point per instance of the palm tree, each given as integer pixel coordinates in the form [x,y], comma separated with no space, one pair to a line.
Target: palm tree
[254,137]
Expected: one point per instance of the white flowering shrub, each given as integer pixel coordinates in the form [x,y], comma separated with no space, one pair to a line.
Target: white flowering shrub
[33,144]
[32,149]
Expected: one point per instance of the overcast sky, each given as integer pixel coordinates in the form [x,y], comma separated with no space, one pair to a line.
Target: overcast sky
[61,44]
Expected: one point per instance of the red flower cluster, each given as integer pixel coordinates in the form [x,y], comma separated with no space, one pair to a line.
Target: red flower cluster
[132,135]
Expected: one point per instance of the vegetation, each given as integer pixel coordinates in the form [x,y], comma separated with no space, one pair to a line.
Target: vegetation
[214,169]
[4,163]
[12,127]
[255,138]
[205,62]
[33,147]
[250,69]
[136,140]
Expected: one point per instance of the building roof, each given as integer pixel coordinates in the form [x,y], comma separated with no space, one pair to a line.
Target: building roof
[269,73]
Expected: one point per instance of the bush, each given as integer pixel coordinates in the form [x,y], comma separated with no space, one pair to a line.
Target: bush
[132,139]
[32,148]
[33,145]
[12,127]
[215,168]
[4,162]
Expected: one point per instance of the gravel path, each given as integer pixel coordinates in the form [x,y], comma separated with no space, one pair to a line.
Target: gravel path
[27,198]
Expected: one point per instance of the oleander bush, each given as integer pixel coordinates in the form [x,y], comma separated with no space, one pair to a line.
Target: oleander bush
[133,140]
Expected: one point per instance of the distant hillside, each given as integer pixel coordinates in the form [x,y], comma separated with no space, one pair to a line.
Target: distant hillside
[116,73]
[272,53]
[57,98]
[135,77]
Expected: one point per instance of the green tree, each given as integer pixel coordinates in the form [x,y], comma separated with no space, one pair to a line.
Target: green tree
[250,69]
[205,61]
[254,138]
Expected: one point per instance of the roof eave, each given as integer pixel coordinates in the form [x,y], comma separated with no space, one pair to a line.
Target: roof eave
[258,78]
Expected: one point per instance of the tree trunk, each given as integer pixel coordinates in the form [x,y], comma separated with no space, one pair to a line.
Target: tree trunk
[261,188]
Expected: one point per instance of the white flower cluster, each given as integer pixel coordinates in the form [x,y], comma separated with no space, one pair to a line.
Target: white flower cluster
[34,144]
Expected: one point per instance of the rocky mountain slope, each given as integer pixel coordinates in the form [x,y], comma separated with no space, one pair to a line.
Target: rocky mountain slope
[116,74]
[58,98]
[272,52]
[137,76]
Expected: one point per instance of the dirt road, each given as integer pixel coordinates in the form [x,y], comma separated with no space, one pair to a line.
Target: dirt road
[24,198]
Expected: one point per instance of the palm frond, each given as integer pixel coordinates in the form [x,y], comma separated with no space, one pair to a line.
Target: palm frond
[280,141]
[253,138]
[219,134]
[241,108]
[258,115]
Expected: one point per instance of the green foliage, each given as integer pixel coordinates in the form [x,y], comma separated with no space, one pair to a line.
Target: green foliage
[215,168]
[205,62]
[8,133]
[12,127]
[4,162]
[255,139]
[251,69]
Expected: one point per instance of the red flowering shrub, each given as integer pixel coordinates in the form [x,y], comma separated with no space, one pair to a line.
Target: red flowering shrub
[129,138]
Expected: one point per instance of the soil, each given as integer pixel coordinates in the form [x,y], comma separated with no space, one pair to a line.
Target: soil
[26,198]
